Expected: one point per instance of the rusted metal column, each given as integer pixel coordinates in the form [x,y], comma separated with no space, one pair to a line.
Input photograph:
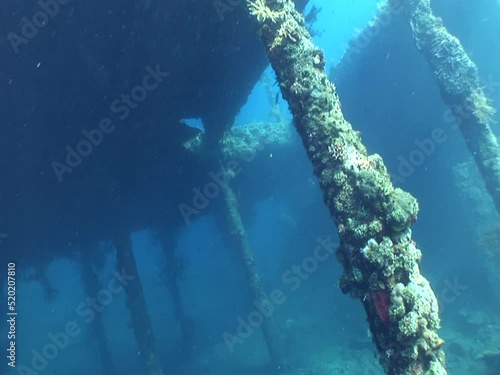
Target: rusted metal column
[380,258]
[135,302]
[237,231]
[244,143]
[173,274]
[458,79]
[92,286]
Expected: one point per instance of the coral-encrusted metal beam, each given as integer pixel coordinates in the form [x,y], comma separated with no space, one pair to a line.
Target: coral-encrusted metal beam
[380,258]
[93,286]
[239,144]
[136,303]
[458,79]
[237,230]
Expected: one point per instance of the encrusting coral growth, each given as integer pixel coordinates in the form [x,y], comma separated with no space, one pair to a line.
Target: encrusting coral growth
[380,258]
[458,80]
[259,9]
[242,141]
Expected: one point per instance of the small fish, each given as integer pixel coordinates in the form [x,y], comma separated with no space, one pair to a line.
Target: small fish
[277,98]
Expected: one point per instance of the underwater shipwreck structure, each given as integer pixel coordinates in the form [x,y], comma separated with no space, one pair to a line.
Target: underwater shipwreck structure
[111,168]
[460,85]
[380,258]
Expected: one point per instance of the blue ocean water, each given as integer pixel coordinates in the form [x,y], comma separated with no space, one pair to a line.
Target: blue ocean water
[188,306]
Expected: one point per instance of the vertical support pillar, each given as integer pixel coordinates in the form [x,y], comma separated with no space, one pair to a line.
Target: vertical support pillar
[237,231]
[380,259]
[172,277]
[458,79]
[41,276]
[136,303]
[92,286]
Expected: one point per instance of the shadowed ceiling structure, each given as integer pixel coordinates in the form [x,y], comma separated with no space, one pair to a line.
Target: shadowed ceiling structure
[78,70]
[83,68]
